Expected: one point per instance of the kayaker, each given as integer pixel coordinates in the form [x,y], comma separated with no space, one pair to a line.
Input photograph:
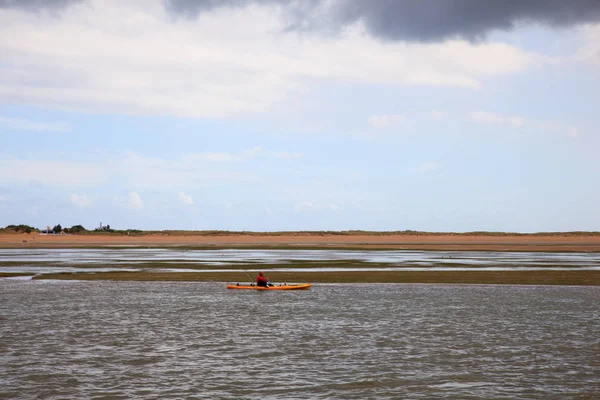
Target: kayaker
[261,280]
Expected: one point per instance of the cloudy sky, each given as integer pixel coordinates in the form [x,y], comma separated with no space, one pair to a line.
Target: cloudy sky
[270,115]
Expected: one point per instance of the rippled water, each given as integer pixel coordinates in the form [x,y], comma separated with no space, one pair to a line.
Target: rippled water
[159,340]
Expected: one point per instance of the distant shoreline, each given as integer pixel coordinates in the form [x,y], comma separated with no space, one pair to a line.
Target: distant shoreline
[476,241]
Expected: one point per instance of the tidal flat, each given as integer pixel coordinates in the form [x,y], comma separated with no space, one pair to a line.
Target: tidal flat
[303,265]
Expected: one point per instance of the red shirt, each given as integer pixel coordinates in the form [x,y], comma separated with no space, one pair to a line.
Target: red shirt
[261,281]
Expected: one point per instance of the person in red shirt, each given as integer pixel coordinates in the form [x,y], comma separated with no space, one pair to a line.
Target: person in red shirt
[261,280]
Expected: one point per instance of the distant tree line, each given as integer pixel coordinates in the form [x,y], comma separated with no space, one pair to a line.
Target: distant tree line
[57,229]
[104,228]
[74,229]
[21,228]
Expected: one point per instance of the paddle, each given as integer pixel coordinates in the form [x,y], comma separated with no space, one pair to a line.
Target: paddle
[251,280]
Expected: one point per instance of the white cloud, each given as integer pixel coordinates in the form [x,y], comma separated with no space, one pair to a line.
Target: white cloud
[436,114]
[80,200]
[19,124]
[133,58]
[251,153]
[334,207]
[486,117]
[304,206]
[590,52]
[130,168]
[428,167]
[378,121]
[516,121]
[286,155]
[214,157]
[185,199]
[554,127]
[51,172]
[314,207]
[135,201]
[548,126]
[573,131]
[383,121]
[483,117]
[2,198]
[227,157]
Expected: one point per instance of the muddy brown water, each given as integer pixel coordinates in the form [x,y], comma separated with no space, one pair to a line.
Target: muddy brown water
[173,340]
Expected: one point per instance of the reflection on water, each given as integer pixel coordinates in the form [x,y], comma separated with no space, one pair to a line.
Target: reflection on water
[74,340]
[135,259]
[104,256]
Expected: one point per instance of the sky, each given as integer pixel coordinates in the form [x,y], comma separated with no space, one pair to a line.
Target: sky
[279,115]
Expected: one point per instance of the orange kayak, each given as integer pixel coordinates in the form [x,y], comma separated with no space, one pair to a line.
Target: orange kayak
[304,286]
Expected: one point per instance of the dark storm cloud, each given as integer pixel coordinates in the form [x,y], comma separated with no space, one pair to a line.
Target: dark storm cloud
[192,8]
[296,10]
[415,20]
[37,5]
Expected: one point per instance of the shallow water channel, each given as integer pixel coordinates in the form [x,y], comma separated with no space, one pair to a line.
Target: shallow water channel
[39,261]
[168,340]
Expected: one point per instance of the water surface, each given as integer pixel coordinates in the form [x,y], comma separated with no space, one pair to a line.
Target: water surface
[159,340]
[226,260]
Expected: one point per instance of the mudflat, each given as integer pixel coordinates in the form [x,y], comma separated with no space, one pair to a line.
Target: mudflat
[568,242]
[572,278]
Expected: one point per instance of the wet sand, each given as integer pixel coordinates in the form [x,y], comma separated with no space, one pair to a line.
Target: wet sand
[565,242]
[574,277]
[529,243]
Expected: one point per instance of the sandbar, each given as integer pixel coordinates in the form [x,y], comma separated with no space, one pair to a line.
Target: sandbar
[485,242]
[565,242]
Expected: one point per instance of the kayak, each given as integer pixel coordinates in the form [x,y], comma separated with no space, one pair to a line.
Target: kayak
[304,286]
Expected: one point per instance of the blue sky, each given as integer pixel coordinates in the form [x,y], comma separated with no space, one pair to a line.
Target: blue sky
[140,115]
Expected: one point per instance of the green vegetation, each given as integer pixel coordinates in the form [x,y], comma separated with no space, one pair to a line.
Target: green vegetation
[105,228]
[19,229]
[79,229]
[353,233]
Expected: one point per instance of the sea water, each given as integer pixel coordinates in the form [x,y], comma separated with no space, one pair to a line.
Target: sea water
[165,340]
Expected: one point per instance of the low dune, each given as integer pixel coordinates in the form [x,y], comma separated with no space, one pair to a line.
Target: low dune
[421,241]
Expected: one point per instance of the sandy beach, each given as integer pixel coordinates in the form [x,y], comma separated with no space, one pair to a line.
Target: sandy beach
[484,242]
